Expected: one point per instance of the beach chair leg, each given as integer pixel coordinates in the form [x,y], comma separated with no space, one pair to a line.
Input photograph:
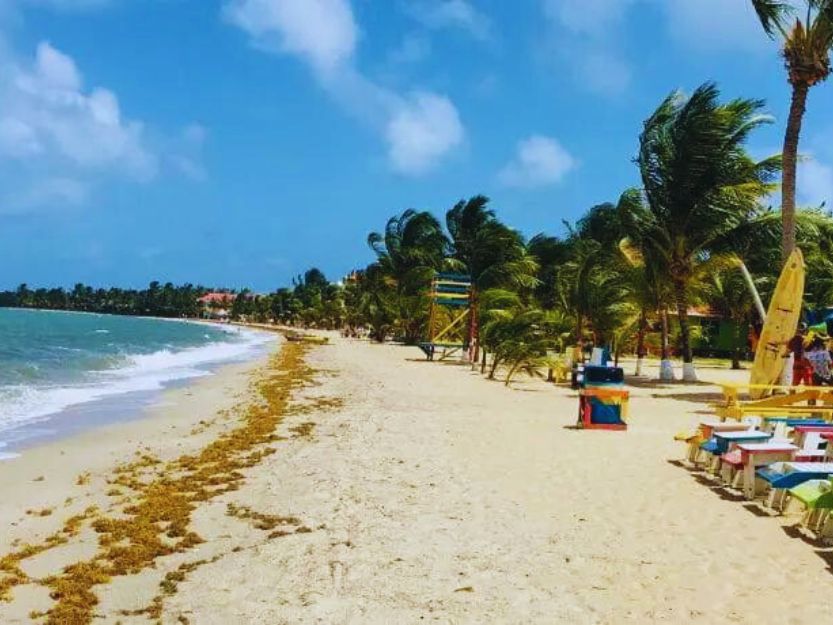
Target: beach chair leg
[778,498]
[823,517]
[826,532]
[693,452]
[811,517]
[748,480]
[738,479]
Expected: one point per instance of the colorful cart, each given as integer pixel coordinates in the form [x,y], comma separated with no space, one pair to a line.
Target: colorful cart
[603,408]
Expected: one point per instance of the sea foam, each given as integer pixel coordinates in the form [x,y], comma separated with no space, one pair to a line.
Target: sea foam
[22,405]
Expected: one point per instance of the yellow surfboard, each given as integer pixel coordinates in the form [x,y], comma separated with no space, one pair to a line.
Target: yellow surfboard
[780,325]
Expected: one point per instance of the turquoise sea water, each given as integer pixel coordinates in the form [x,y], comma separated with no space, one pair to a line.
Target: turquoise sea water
[51,361]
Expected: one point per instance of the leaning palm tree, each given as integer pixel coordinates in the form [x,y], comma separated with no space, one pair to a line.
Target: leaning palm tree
[699,185]
[493,254]
[806,51]
[412,247]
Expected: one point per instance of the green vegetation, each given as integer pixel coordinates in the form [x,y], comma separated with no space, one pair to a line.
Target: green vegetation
[656,272]
[629,275]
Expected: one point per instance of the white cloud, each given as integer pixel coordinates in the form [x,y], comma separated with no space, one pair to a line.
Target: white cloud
[539,161]
[814,183]
[424,128]
[59,138]
[419,130]
[322,31]
[45,113]
[439,14]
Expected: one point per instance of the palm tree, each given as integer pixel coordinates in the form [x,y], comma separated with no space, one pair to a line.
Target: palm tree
[806,51]
[493,254]
[411,249]
[699,186]
[518,335]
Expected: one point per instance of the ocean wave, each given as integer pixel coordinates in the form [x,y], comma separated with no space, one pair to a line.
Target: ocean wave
[22,404]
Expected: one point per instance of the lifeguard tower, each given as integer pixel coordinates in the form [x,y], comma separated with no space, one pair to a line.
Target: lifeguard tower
[450,319]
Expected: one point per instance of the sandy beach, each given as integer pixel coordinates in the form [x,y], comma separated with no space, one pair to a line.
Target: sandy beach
[402,491]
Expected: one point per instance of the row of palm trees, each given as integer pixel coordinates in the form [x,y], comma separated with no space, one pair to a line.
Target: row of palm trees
[627,273]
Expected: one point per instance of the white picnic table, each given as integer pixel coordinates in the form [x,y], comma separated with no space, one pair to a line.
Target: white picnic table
[759,454]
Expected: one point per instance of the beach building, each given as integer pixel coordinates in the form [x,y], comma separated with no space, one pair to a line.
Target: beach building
[216,305]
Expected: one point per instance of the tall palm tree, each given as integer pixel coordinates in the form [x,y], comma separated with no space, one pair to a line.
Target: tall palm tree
[806,51]
[699,185]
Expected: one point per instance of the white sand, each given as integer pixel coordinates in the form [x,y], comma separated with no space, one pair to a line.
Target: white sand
[436,496]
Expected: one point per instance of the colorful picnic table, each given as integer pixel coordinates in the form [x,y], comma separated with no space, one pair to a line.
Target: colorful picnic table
[779,425]
[754,455]
[782,476]
[724,440]
[709,426]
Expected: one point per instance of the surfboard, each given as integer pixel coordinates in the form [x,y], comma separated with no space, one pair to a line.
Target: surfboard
[779,326]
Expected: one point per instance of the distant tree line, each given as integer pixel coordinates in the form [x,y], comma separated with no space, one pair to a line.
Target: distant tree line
[312,300]
[158,300]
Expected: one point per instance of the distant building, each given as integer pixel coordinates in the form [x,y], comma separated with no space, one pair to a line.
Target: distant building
[215,305]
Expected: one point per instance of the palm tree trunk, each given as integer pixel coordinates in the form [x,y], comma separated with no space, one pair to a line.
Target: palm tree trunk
[483,363]
[664,352]
[736,349]
[511,373]
[579,332]
[640,341]
[685,331]
[495,363]
[790,158]
[474,329]
[666,370]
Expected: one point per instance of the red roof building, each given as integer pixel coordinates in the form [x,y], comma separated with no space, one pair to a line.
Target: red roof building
[217,298]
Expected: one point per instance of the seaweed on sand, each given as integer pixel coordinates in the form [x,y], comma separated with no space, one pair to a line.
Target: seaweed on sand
[163,497]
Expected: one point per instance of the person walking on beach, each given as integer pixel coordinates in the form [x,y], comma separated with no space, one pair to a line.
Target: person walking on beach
[802,369]
[820,360]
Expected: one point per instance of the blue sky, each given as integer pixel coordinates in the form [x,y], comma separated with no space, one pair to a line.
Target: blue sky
[239,142]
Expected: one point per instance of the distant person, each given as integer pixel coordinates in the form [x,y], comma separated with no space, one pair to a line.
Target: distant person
[802,369]
[820,360]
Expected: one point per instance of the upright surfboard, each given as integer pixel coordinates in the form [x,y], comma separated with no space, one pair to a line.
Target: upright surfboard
[780,325]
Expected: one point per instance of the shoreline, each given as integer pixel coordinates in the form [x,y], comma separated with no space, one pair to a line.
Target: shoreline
[126,394]
[60,479]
